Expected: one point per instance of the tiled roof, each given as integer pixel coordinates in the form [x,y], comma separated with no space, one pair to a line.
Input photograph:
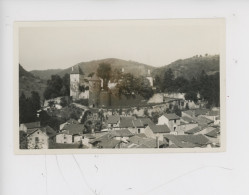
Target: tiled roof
[76,70]
[142,135]
[121,133]
[201,112]
[187,119]
[189,112]
[193,130]
[50,132]
[74,128]
[148,142]
[214,113]
[171,116]
[112,143]
[213,133]
[113,119]
[146,121]
[188,141]
[137,123]
[126,122]
[159,128]
[33,125]
[202,120]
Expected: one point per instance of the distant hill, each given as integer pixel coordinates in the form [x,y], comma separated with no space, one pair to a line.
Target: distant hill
[89,67]
[28,83]
[45,74]
[191,67]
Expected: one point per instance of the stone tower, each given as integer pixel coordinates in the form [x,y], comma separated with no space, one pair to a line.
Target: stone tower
[76,76]
[94,91]
[149,77]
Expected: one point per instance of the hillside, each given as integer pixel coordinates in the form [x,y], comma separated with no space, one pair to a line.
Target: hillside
[45,74]
[28,83]
[191,67]
[89,67]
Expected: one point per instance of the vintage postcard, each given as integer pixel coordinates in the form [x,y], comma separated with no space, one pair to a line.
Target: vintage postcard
[119,86]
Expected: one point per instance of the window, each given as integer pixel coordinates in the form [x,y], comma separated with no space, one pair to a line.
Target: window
[36,139]
[138,130]
[174,128]
[175,121]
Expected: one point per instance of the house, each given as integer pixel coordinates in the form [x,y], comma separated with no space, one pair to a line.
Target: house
[71,133]
[70,121]
[38,138]
[133,124]
[113,121]
[122,135]
[25,126]
[186,141]
[203,121]
[156,131]
[105,141]
[86,139]
[171,120]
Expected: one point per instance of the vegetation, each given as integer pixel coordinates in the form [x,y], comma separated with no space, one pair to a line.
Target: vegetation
[57,87]
[207,86]
[104,71]
[28,107]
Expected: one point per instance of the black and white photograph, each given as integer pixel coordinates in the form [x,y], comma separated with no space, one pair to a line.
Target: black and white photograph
[120,85]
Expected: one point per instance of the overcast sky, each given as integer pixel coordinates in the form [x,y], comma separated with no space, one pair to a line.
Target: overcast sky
[157,43]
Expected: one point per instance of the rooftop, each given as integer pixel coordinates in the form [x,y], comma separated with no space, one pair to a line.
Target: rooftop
[113,119]
[74,129]
[76,70]
[188,141]
[172,116]
[32,125]
[159,128]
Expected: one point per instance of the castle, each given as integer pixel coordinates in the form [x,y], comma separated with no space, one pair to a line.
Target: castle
[90,88]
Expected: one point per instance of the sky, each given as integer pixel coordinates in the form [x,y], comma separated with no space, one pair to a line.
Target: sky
[59,45]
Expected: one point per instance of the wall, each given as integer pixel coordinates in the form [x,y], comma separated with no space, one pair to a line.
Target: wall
[41,144]
[64,138]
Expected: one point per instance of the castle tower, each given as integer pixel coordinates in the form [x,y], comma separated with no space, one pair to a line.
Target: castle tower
[149,77]
[75,79]
[94,91]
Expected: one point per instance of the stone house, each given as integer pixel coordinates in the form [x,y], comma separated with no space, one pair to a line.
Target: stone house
[156,131]
[37,140]
[171,120]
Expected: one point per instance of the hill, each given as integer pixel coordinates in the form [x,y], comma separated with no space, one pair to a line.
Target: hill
[91,66]
[45,74]
[28,83]
[190,67]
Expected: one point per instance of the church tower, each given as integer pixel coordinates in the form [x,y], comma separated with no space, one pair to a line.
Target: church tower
[94,91]
[75,80]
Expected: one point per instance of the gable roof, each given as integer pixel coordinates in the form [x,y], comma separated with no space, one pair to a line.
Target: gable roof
[159,128]
[76,70]
[188,141]
[74,128]
[193,130]
[201,111]
[189,112]
[33,125]
[137,123]
[121,133]
[213,133]
[126,122]
[49,131]
[188,119]
[202,120]
[172,116]
[147,142]
[113,119]
[214,113]
[112,143]
[146,121]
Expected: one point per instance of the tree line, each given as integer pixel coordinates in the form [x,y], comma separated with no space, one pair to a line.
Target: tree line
[207,86]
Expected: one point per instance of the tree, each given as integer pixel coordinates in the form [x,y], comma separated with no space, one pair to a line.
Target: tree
[158,83]
[35,101]
[63,102]
[22,108]
[54,86]
[104,72]
[168,81]
[155,116]
[65,90]
[192,96]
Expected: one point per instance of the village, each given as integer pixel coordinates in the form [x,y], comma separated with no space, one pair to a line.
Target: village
[166,120]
